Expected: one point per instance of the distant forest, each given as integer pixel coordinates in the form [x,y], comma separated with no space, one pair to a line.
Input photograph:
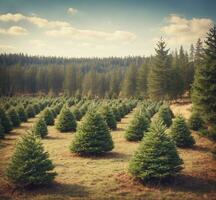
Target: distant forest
[167,75]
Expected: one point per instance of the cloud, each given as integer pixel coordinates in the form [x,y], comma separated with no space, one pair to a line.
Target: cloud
[5,47]
[71,32]
[72,11]
[14,30]
[37,44]
[180,30]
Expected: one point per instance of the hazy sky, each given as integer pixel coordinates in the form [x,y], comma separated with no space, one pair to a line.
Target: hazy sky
[87,28]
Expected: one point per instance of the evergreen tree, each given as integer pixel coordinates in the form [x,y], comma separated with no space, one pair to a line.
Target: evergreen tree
[130,82]
[2,131]
[66,121]
[137,128]
[93,136]
[30,111]
[40,128]
[14,117]
[48,117]
[157,156]
[165,114]
[180,133]
[22,113]
[159,79]
[76,113]
[204,87]
[30,165]
[109,117]
[195,122]
[5,121]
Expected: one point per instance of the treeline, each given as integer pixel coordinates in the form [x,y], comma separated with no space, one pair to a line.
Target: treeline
[167,75]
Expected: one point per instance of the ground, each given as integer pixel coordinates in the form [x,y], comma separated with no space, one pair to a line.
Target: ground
[106,177]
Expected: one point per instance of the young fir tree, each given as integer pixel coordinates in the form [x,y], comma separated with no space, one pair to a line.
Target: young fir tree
[30,164]
[30,111]
[137,128]
[22,113]
[157,157]
[180,133]
[76,113]
[66,121]
[204,86]
[2,131]
[109,117]
[195,122]
[48,117]
[93,136]
[159,80]
[40,128]
[14,117]
[5,121]
[166,115]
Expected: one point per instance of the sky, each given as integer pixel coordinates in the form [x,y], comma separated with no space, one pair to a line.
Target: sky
[101,28]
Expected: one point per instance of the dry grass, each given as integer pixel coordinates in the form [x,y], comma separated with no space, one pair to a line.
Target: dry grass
[106,177]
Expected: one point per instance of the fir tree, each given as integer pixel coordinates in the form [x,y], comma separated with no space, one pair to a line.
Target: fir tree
[180,133]
[30,111]
[40,128]
[204,87]
[93,136]
[14,117]
[5,121]
[109,117]
[76,113]
[137,128]
[30,164]
[195,122]
[22,113]
[66,121]
[157,157]
[165,114]
[159,79]
[48,117]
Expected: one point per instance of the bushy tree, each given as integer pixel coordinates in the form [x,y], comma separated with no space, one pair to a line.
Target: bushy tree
[48,117]
[180,133]
[14,117]
[157,157]
[165,115]
[66,121]
[195,122]
[30,111]
[22,113]
[30,164]
[109,117]
[5,121]
[137,128]
[93,136]
[76,113]
[40,128]
[204,86]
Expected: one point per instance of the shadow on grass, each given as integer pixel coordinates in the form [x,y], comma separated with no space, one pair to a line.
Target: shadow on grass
[52,138]
[118,129]
[201,149]
[186,183]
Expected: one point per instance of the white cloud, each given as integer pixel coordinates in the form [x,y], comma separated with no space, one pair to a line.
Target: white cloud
[72,11]
[14,30]
[11,17]
[5,47]
[180,30]
[91,34]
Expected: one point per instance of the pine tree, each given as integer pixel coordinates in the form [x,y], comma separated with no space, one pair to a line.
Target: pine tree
[165,114]
[180,133]
[5,120]
[40,128]
[48,117]
[159,80]
[109,117]
[137,128]
[204,86]
[66,121]
[30,164]
[30,111]
[14,117]
[195,122]
[2,131]
[93,136]
[22,113]
[76,113]
[157,157]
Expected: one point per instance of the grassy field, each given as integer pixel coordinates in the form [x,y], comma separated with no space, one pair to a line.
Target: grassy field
[106,177]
